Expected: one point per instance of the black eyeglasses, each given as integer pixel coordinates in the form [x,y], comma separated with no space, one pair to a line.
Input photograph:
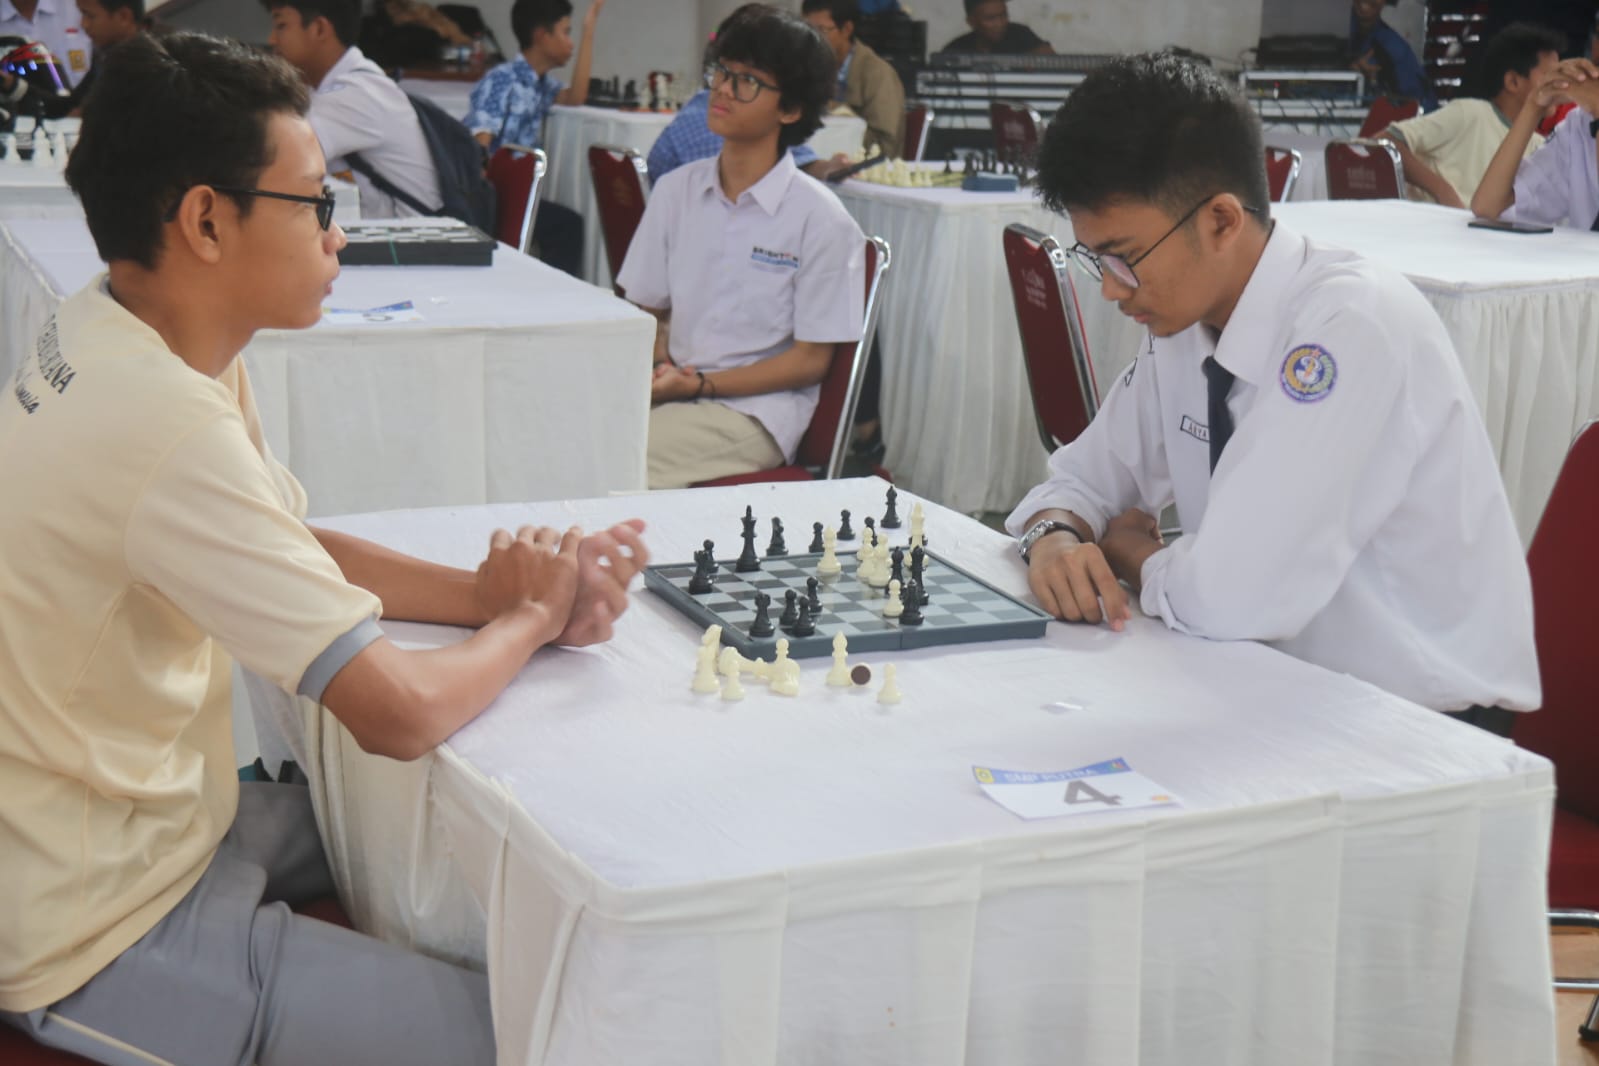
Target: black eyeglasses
[1096,265]
[324,203]
[746,87]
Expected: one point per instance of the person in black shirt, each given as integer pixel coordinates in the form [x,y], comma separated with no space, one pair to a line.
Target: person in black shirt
[993,31]
[106,23]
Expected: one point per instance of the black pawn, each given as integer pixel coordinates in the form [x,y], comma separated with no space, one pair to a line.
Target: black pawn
[891,515]
[790,613]
[949,163]
[747,559]
[813,595]
[897,573]
[911,596]
[777,547]
[762,626]
[700,583]
[710,556]
[817,545]
[870,535]
[844,530]
[803,626]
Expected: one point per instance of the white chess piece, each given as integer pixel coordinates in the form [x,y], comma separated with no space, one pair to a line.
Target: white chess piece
[712,637]
[838,676]
[829,565]
[878,576]
[893,608]
[732,688]
[890,692]
[863,555]
[705,670]
[42,156]
[786,683]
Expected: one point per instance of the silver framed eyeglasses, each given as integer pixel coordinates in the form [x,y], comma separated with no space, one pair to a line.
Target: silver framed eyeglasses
[1097,265]
[746,86]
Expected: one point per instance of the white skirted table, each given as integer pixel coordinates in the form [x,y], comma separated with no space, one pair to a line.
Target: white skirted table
[572,130]
[665,876]
[517,382]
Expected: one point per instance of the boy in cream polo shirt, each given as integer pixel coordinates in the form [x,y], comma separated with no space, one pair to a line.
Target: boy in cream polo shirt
[754,269]
[144,910]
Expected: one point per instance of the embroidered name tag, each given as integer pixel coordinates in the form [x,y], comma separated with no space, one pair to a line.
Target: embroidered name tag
[767,257]
[1197,430]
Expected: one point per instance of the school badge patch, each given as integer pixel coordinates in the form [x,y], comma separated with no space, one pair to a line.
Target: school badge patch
[1309,373]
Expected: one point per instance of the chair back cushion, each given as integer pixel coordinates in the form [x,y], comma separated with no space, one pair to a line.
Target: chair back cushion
[1385,111]
[1282,171]
[618,197]
[816,446]
[1059,372]
[1362,171]
[512,172]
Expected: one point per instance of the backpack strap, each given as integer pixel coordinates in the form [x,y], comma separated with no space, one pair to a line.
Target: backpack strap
[361,166]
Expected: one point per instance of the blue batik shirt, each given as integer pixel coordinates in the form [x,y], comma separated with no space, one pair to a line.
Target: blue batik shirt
[688,137]
[1399,71]
[511,103]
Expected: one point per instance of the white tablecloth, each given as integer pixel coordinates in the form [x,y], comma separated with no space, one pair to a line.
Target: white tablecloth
[671,878]
[572,130]
[520,383]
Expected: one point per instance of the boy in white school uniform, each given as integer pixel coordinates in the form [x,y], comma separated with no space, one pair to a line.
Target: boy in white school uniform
[146,894]
[1558,185]
[754,269]
[1302,407]
[355,107]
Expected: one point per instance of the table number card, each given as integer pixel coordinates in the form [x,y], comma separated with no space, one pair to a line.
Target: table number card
[345,316]
[1103,786]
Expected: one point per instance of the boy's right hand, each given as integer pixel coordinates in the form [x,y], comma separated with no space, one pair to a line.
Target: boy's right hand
[538,565]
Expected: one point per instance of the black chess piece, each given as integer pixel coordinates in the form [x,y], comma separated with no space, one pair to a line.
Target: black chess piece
[777,546]
[817,543]
[710,555]
[803,626]
[917,562]
[971,166]
[949,163]
[700,583]
[891,512]
[762,626]
[911,596]
[897,571]
[845,531]
[747,559]
[813,594]
[790,613]
[870,530]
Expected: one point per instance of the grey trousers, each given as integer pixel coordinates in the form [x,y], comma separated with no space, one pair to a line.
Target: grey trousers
[232,976]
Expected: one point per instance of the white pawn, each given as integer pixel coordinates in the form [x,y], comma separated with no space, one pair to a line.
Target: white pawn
[863,555]
[732,687]
[8,145]
[838,676]
[829,565]
[784,671]
[878,577]
[893,608]
[890,692]
[705,670]
[42,156]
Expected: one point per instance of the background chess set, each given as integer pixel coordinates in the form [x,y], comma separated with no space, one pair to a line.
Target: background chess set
[36,144]
[416,242]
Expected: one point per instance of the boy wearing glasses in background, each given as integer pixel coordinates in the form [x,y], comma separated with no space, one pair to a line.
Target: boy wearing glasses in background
[147,900]
[1303,409]
[753,269]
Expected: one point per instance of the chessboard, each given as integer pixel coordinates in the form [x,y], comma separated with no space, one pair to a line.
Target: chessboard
[961,609]
[416,242]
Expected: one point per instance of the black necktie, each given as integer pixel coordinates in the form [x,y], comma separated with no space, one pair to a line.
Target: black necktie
[1219,382]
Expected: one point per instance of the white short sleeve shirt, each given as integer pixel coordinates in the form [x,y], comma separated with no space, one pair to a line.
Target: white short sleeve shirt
[358,108]
[744,280]
[1356,519]
[1558,185]
[57,25]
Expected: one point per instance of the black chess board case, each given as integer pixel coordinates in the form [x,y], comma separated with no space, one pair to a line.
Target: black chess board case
[416,242]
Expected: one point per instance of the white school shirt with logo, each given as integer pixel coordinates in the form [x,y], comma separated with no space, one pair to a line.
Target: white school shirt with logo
[1356,519]
[745,280]
[358,108]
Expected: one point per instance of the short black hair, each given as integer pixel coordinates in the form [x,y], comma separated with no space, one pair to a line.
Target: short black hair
[1155,128]
[842,11]
[973,5]
[1517,48]
[138,152]
[343,15]
[530,15]
[135,6]
[786,47]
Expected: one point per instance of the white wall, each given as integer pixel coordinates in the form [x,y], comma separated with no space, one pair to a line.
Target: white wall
[1219,28]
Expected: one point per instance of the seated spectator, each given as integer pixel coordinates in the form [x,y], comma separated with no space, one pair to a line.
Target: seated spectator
[993,31]
[754,270]
[1446,152]
[356,109]
[1385,58]
[106,23]
[1558,185]
[54,24]
[866,83]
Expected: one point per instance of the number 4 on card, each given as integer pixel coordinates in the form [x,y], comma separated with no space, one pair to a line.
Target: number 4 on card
[1102,786]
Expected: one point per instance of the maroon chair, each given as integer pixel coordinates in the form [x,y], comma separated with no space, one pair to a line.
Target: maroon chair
[918,124]
[1017,129]
[1059,374]
[619,195]
[516,172]
[822,450]
[1385,111]
[1282,172]
[1364,170]
[1565,585]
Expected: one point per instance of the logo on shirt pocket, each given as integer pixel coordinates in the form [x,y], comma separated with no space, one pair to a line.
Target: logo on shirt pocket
[1309,373]
[768,258]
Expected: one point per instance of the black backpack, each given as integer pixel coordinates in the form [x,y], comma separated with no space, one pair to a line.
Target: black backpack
[458,157]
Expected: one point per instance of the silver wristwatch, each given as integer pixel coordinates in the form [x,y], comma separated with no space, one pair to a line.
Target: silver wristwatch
[1040,529]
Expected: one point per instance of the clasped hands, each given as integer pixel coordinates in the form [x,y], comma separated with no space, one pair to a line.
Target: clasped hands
[580,580]
[1081,582]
